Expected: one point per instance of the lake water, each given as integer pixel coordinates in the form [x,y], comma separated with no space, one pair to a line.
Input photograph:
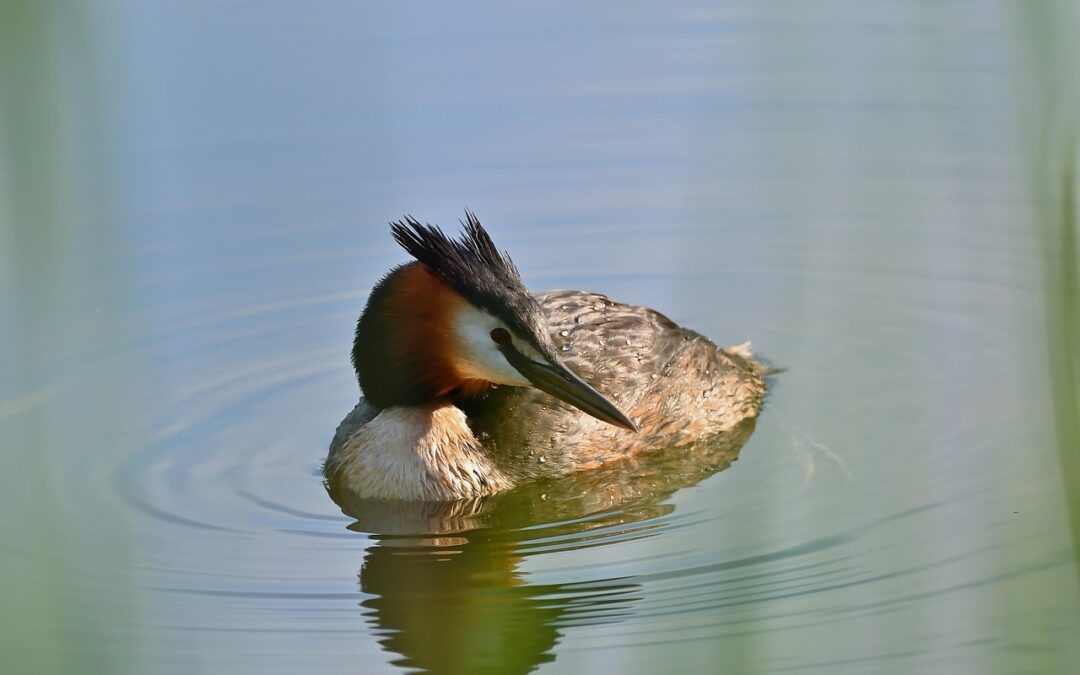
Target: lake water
[193,206]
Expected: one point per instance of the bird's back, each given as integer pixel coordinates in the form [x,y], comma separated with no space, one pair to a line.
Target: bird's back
[679,388]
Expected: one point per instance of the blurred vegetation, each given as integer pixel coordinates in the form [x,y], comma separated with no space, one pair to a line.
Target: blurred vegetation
[1051,115]
[66,600]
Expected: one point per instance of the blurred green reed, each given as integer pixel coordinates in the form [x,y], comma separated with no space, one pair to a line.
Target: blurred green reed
[1051,114]
[64,579]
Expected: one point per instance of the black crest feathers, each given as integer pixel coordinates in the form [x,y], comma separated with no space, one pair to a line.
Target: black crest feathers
[467,263]
[478,271]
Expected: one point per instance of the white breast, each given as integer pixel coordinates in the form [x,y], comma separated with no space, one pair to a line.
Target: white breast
[419,453]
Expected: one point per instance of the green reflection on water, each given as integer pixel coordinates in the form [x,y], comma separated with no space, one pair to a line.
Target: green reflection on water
[455,601]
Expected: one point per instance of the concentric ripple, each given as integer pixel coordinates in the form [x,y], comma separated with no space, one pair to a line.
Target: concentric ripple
[782,529]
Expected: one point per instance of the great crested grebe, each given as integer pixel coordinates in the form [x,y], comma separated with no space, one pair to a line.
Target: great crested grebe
[472,385]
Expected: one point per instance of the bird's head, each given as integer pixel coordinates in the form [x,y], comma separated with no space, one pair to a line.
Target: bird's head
[459,319]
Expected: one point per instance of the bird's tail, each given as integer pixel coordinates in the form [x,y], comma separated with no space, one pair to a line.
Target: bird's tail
[761,366]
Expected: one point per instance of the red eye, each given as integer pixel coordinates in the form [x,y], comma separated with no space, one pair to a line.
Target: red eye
[500,337]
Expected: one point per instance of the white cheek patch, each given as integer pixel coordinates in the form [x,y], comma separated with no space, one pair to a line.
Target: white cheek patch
[477,354]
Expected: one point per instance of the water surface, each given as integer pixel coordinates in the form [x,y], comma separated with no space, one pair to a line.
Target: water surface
[191,228]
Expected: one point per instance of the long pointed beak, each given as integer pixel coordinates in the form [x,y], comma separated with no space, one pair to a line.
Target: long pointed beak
[559,381]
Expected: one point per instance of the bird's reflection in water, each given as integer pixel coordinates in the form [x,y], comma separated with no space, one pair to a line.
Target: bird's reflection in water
[447,595]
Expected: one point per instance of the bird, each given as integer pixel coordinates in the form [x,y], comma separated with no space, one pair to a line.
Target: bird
[472,385]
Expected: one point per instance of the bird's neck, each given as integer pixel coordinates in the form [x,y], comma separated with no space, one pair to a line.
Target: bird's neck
[403,351]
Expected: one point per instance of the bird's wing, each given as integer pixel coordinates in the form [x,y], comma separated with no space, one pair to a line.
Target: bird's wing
[676,384]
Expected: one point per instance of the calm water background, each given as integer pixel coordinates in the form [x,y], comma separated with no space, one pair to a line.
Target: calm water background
[193,206]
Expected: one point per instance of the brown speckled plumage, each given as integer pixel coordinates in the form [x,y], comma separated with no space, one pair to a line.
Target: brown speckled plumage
[674,383]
